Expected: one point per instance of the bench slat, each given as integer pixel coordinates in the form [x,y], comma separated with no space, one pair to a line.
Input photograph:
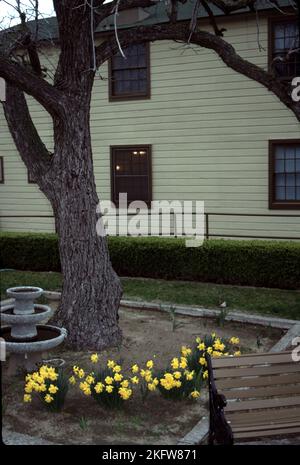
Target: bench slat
[261,392]
[281,425]
[251,359]
[262,404]
[256,371]
[227,383]
[265,433]
[262,417]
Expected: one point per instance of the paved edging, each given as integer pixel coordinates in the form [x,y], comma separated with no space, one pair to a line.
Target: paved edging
[238,316]
[197,434]
[12,438]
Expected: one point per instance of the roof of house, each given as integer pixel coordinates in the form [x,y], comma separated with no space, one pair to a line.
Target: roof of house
[48,28]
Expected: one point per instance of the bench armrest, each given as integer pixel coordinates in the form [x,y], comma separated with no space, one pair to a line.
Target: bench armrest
[220,431]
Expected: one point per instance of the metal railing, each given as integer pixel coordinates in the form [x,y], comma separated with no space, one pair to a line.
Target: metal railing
[208,216]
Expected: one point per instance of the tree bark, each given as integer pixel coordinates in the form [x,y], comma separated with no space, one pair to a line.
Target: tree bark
[91,291]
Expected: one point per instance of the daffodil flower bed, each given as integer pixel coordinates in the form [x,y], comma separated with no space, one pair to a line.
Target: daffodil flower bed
[50,384]
[109,386]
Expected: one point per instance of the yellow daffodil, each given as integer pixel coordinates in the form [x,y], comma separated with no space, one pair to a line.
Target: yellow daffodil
[99,388]
[118,377]
[151,386]
[183,362]
[205,374]
[90,379]
[135,380]
[109,389]
[189,375]
[125,393]
[195,394]
[27,398]
[94,358]
[201,346]
[149,364]
[48,398]
[177,374]
[72,380]
[237,353]
[110,364]
[117,369]
[202,361]
[175,363]
[185,351]
[125,383]
[109,380]
[135,369]
[53,389]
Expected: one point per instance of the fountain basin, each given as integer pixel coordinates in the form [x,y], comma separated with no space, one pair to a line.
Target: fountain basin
[47,338]
[23,326]
[24,295]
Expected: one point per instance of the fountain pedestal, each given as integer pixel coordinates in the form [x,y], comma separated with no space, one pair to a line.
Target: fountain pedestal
[25,337]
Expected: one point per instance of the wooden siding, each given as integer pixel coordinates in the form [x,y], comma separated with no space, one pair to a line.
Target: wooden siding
[209,128]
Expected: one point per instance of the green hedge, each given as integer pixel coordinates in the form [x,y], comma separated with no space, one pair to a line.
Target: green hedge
[252,263]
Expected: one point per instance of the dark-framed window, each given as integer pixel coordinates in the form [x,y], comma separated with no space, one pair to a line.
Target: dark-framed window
[284,174]
[1,171]
[129,78]
[284,61]
[131,173]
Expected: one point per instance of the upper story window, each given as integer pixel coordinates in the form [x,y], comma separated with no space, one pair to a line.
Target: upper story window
[284,174]
[1,170]
[131,173]
[129,78]
[284,54]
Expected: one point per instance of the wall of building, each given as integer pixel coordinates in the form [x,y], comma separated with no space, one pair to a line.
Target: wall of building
[209,129]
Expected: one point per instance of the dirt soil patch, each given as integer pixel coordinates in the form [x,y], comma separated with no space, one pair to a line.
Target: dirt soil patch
[146,334]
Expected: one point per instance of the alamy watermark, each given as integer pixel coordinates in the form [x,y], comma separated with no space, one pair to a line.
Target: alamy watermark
[296,350]
[2,350]
[296,89]
[160,218]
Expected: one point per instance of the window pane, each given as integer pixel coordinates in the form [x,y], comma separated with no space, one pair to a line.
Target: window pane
[290,180]
[290,166]
[279,166]
[280,193]
[290,193]
[280,179]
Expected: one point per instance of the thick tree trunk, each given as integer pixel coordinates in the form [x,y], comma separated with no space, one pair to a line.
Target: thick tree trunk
[91,290]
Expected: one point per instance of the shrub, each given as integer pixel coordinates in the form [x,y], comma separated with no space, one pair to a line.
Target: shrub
[251,263]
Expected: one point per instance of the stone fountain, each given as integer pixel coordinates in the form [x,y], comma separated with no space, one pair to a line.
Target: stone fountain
[26,337]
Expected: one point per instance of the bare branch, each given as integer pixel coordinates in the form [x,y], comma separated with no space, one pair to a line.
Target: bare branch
[49,97]
[28,142]
[226,52]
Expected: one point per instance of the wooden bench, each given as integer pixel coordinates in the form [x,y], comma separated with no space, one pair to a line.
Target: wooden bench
[253,396]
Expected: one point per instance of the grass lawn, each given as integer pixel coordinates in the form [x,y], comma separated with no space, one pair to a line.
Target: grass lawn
[256,300]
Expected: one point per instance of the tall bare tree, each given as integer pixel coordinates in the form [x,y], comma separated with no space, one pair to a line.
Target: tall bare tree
[91,289]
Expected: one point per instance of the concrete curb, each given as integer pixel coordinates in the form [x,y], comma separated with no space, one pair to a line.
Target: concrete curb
[237,316]
[197,434]
[11,438]
[286,341]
